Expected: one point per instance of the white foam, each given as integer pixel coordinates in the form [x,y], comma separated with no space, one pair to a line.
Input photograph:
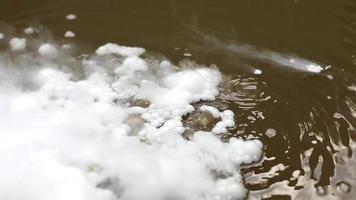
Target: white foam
[2,36]
[314,68]
[227,121]
[257,71]
[65,137]
[71,17]
[270,132]
[69,34]
[48,50]
[111,48]
[17,44]
[66,46]
[29,30]
[212,110]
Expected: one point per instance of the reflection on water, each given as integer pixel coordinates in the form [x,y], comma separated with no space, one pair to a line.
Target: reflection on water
[306,120]
[308,150]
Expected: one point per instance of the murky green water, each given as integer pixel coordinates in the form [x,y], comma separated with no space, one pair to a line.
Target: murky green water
[305,120]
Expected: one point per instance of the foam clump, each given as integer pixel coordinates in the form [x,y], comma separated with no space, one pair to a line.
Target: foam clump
[212,110]
[112,48]
[71,17]
[17,44]
[227,121]
[29,30]
[77,136]
[314,68]
[69,34]
[257,71]
[2,36]
[48,50]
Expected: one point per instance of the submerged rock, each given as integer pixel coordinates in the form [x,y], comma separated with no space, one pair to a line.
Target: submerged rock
[204,121]
[188,133]
[141,103]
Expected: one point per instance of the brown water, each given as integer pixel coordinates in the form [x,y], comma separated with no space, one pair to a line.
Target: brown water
[305,120]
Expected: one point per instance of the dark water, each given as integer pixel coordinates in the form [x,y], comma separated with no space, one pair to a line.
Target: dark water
[306,120]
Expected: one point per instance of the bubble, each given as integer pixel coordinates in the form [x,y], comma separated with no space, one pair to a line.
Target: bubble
[48,50]
[69,34]
[271,132]
[296,173]
[71,17]
[343,187]
[17,44]
[29,30]
[321,190]
[257,72]
[329,76]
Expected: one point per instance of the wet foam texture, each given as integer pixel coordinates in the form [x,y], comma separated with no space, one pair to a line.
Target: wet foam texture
[79,137]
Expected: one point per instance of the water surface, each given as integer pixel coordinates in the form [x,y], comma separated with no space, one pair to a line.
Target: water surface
[306,120]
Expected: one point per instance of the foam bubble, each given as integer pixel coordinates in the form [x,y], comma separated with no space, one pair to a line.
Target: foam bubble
[48,50]
[111,48]
[314,68]
[271,132]
[71,17]
[212,110]
[257,72]
[17,44]
[227,121]
[343,187]
[69,34]
[29,30]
